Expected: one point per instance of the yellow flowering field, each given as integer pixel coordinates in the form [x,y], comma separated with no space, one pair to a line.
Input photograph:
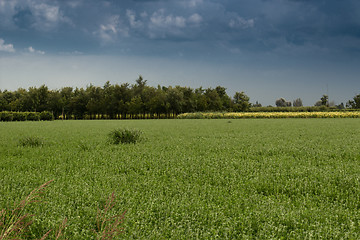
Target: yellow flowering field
[235,115]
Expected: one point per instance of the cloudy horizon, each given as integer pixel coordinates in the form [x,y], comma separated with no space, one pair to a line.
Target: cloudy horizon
[266,48]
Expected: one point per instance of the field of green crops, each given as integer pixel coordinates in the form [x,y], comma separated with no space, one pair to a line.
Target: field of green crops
[190,179]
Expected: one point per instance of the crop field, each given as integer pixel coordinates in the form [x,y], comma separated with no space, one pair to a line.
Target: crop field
[189,178]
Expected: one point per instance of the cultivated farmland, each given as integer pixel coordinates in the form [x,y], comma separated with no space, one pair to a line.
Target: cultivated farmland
[188,179]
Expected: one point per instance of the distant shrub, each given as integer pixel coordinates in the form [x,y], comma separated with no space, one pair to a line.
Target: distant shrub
[124,136]
[33,116]
[31,142]
[46,116]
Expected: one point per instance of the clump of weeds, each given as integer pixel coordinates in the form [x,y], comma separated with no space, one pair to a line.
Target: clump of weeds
[124,136]
[84,146]
[31,142]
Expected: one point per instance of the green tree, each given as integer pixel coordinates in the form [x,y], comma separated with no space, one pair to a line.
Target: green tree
[281,102]
[225,99]
[175,98]
[147,94]
[43,94]
[355,103]
[297,102]
[66,94]
[54,103]
[110,102]
[94,105]
[17,102]
[123,95]
[32,100]
[256,104]
[201,103]
[324,100]
[213,99]
[135,106]
[158,102]
[78,103]
[240,102]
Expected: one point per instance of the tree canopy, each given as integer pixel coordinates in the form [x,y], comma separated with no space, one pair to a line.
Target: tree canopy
[121,101]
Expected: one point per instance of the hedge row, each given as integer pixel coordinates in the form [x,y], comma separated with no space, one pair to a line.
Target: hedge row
[236,115]
[26,116]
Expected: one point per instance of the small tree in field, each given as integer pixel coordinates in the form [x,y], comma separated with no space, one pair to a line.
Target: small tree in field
[297,102]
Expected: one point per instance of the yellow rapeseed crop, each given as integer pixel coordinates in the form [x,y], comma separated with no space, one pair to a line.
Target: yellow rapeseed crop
[235,115]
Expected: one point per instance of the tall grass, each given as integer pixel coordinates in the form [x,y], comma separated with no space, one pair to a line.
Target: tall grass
[14,223]
[108,226]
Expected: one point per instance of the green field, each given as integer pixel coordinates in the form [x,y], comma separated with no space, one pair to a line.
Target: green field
[191,179]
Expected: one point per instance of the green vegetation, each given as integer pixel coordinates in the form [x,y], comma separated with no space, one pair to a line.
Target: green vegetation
[31,142]
[124,136]
[26,116]
[235,115]
[123,101]
[205,179]
[14,223]
[140,101]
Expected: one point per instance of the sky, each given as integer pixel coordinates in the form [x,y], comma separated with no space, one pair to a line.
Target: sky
[265,48]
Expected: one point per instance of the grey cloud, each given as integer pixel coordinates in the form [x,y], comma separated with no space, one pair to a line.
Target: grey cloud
[111,29]
[23,18]
[39,15]
[6,47]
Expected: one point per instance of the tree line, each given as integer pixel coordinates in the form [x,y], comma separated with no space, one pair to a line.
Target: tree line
[323,102]
[122,101]
[139,100]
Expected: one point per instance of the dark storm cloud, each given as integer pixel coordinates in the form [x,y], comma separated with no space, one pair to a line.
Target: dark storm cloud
[235,25]
[23,18]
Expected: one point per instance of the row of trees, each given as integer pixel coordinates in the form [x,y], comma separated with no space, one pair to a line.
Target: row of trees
[324,101]
[122,101]
[136,100]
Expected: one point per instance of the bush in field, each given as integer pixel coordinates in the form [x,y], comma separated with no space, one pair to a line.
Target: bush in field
[33,116]
[124,136]
[46,116]
[31,142]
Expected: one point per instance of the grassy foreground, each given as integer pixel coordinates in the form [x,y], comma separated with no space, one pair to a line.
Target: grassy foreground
[206,179]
